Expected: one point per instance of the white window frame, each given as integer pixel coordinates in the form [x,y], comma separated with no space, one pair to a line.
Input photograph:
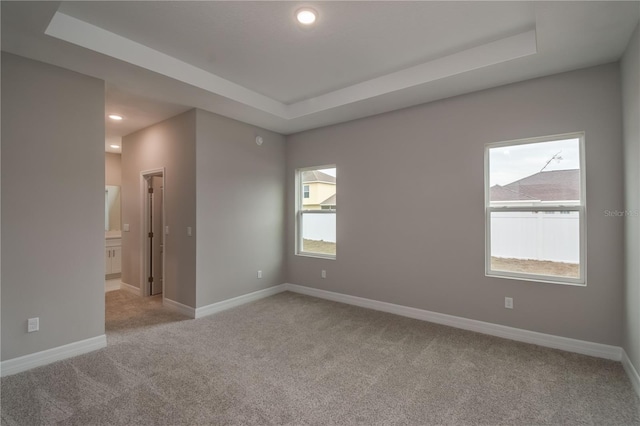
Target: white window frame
[580,208]
[300,212]
[306,190]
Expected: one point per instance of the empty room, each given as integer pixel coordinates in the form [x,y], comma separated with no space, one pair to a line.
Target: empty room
[173,253]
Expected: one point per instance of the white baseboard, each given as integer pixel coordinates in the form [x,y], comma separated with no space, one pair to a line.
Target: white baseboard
[111,285]
[26,362]
[130,288]
[38,359]
[631,372]
[179,307]
[240,300]
[564,343]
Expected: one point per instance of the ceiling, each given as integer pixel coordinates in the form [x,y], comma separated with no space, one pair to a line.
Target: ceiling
[252,62]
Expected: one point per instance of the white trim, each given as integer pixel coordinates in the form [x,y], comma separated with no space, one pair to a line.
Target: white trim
[38,359]
[631,372]
[240,300]
[581,208]
[144,212]
[547,340]
[179,307]
[316,255]
[299,211]
[111,285]
[131,289]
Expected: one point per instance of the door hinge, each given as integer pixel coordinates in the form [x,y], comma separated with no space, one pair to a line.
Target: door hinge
[150,279]
[150,190]
[150,234]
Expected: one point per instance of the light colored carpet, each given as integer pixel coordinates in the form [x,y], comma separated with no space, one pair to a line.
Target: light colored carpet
[293,359]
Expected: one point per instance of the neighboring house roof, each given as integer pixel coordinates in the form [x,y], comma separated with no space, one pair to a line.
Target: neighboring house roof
[553,185]
[500,193]
[317,176]
[331,201]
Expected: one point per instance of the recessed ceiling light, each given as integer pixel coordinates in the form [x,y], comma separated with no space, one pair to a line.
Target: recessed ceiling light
[115,146]
[115,117]
[306,16]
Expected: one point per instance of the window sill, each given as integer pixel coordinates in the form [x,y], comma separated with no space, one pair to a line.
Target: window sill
[317,255]
[538,279]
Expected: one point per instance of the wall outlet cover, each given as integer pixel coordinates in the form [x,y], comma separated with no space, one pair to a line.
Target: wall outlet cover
[33,324]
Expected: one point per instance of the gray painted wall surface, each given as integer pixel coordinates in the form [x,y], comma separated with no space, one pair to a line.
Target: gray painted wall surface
[240,208]
[52,206]
[113,169]
[631,100]
[170,144]
[410,225]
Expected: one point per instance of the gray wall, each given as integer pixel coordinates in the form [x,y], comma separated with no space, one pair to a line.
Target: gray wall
[170,144]
[113,169]
[238,220]
[240,208]
[631,99]
[52,206]
[410,226]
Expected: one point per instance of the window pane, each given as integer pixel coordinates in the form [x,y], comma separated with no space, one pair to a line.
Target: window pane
[535,243]
[319,233]
[317,227]
[319,188]
[544,173]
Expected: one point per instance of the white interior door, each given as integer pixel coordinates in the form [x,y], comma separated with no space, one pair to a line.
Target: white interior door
[153,235]
[157,245]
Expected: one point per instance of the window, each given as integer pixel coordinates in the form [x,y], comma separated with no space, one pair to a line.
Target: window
[316,212]
[522,179]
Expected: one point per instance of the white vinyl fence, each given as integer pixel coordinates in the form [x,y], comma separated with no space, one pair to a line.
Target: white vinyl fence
[319,227]
[550,236]
[519,235]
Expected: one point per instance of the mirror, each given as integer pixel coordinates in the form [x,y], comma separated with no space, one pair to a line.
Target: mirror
[112,208]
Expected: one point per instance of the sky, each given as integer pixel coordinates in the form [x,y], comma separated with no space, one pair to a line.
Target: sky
[508,164]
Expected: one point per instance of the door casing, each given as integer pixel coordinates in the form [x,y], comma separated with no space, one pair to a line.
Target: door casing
[145,271]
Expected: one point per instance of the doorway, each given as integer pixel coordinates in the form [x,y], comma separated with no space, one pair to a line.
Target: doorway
[153,241]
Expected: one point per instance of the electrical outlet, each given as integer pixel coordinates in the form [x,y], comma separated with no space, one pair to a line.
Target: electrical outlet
[33,324]
[189,231]
[259,274]
[508,302]
[323,274]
